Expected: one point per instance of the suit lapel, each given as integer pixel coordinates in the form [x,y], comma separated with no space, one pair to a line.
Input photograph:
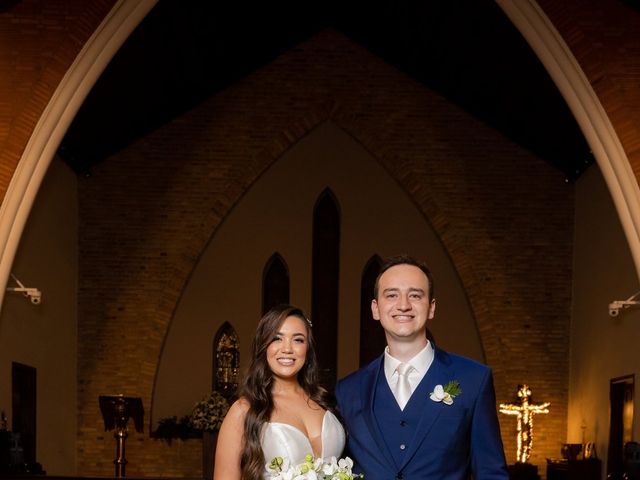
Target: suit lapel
[439,373]
[368,392]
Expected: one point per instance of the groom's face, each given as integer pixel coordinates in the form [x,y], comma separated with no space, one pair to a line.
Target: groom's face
[403,307]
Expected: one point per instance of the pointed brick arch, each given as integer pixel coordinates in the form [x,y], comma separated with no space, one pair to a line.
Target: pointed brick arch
[415,187]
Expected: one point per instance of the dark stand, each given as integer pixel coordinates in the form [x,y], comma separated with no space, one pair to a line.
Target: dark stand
[116,411]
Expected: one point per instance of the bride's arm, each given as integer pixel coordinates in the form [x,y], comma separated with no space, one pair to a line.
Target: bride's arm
[230,443]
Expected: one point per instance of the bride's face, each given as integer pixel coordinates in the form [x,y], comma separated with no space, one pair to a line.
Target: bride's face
[287,351]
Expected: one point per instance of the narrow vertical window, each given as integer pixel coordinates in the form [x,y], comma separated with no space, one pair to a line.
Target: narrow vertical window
[372,339]
[275,283]
[226,361]
[324,286]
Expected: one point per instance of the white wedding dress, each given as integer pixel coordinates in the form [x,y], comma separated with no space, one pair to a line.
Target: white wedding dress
[286,441]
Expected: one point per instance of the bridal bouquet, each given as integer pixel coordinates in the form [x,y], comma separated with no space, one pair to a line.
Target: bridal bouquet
[318,469]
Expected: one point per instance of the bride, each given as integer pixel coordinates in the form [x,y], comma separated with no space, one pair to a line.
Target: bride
[282,411]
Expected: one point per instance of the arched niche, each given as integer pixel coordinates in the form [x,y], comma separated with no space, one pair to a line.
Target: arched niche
[325,285]
[275,283]
[372,339]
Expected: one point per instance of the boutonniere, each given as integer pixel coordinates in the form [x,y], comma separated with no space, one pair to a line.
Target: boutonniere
[447,393]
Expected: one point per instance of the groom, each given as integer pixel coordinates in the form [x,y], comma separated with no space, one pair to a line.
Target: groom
[417,412]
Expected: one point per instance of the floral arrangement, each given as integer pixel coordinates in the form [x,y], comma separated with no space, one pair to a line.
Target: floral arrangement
[312,469]
[208,413]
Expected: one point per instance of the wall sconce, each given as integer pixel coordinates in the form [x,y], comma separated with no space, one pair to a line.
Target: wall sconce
[31,293]
[617,305]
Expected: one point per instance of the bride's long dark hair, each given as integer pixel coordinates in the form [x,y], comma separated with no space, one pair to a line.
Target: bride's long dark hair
[258,382]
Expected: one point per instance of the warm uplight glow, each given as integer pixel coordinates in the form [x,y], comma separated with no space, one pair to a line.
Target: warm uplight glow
[524,412]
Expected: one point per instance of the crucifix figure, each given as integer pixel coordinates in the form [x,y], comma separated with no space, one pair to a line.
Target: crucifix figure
[524,411]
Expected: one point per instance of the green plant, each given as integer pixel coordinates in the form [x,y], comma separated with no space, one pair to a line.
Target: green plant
[209,412]
[170,428]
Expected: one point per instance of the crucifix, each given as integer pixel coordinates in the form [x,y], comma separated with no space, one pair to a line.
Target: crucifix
[524,411]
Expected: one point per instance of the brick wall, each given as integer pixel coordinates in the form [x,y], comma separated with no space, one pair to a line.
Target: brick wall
[39,39]
[603,36]
[146,213]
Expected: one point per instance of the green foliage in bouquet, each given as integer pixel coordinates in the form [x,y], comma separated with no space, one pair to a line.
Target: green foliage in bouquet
[312,469]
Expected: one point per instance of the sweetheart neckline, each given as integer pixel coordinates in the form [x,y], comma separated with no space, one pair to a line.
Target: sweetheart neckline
[305,436]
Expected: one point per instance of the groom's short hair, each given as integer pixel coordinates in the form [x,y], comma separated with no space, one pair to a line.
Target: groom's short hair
[404,260]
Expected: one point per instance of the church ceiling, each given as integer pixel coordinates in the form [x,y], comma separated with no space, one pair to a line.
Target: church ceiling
[466,50]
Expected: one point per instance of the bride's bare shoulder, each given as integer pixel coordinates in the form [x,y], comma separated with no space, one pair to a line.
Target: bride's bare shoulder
[239,408]
[234,419]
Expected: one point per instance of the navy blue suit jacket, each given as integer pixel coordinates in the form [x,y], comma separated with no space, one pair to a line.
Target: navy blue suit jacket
[451,442]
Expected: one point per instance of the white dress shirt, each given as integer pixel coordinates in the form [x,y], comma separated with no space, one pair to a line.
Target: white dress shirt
[420,363]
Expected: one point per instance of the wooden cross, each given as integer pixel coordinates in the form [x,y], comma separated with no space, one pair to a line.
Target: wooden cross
[524,411]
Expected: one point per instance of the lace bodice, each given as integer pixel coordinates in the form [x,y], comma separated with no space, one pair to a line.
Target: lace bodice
[284,440]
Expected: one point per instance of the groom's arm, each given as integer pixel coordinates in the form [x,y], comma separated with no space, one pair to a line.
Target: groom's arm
[487,451]
[346,401]
[341,407]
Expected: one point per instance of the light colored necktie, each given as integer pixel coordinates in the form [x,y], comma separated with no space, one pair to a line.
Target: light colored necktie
[403,388]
